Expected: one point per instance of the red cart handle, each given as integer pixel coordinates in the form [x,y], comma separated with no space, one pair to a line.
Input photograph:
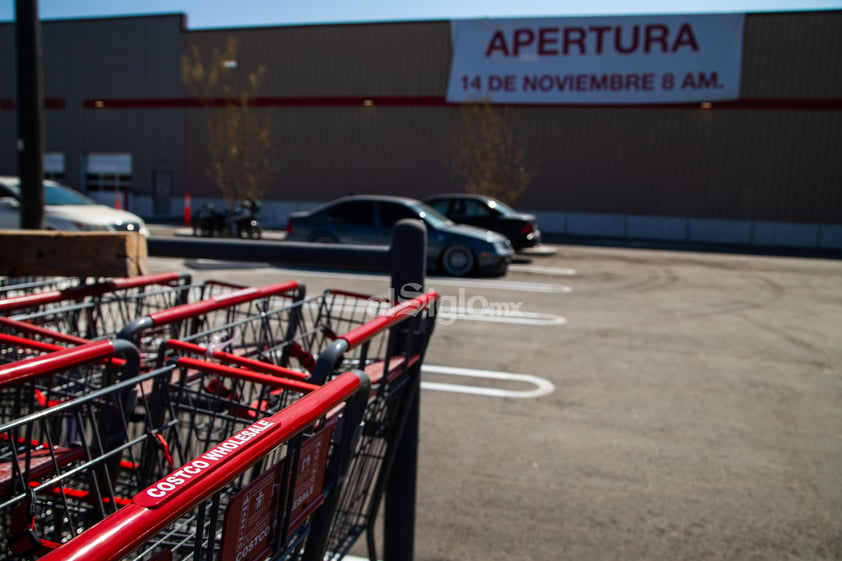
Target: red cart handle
[20,372]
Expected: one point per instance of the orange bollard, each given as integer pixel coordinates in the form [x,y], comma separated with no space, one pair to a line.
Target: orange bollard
[187,209]
[118,204]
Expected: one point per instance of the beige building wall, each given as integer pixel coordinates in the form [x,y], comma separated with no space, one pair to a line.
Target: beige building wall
[768,160]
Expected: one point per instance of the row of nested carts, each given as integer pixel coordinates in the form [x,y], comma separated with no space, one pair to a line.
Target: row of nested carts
[154,418]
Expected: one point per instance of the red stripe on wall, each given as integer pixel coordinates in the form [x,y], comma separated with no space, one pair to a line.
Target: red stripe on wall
[49,103]
[801,104]
[772,104]
[188,102]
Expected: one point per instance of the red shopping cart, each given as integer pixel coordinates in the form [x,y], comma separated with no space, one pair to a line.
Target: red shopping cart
[292,335]
[60,434]
[390,348]
[225,309]
[208,395]
[248,496]
[67,318]
[99,310]
[83,452]
[17,286]
[19,340]
[218,419]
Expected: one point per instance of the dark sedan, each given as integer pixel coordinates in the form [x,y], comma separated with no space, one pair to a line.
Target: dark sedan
[488,212]
[456,249]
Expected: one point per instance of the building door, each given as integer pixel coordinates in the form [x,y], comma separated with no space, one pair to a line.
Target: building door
[162,185]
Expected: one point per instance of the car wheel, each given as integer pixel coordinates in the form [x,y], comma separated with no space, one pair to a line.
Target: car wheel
[457,260]
[205,230]
[251,231]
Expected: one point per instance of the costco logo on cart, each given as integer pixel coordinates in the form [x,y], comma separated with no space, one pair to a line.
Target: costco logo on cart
[636,59]
[192,471]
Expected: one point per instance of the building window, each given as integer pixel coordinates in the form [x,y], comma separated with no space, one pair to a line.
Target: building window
[109,182]
[54,166]
[108,178]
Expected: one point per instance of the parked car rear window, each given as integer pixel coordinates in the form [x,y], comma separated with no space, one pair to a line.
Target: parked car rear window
[473,208]
[440,206]
[353,212]
[391,213]
[431,215]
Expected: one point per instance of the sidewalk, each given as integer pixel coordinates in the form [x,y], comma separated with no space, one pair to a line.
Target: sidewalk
[186,231]
[280,235]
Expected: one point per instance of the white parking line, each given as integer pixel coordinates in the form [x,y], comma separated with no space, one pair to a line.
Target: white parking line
[538,386]
[492,284]
[500,285]
[432,282]
[538,270]
[499,316]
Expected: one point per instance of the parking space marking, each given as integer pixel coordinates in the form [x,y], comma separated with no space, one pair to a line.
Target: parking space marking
[536,269]
[501,285]
[491,284]
[537,386]
[500,316]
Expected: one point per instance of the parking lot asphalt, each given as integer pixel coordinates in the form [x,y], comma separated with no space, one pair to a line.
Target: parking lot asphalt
[646,405]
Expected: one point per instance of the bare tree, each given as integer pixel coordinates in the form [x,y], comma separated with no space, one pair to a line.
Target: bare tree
[489,155]
[239,135]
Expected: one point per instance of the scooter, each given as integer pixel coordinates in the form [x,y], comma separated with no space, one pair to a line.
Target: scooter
[243,223]
[209,221]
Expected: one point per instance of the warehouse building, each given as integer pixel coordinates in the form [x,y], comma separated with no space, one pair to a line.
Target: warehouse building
[744,150]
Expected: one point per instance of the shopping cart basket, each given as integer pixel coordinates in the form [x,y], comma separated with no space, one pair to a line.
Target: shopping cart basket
[206,394]
[390,348]
[43,297]
[98,433]
[213,315]
[99,310]
[315,339]
[18,286]
[20,340]
[251,496]
[291,336]
[62,417]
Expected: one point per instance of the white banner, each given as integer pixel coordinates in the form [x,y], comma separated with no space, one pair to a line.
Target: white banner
[630,59]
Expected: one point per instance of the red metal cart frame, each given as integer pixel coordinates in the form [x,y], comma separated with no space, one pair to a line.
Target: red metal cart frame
[252,421]
[185,320]
[99,310]
[70,462]
[349,503]
[194,494]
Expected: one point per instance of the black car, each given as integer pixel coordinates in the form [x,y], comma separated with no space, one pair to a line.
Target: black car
[490,213]
[457,249]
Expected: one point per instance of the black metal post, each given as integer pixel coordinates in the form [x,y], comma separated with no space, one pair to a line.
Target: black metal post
[30,106]
[409,270]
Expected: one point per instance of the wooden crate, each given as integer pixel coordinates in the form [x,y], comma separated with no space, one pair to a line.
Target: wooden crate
[88,254]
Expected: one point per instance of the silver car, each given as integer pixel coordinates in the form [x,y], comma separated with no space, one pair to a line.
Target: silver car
[456,249]
[66,208]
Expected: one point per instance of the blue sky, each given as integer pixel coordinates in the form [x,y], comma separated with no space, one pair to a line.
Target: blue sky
[243,13]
